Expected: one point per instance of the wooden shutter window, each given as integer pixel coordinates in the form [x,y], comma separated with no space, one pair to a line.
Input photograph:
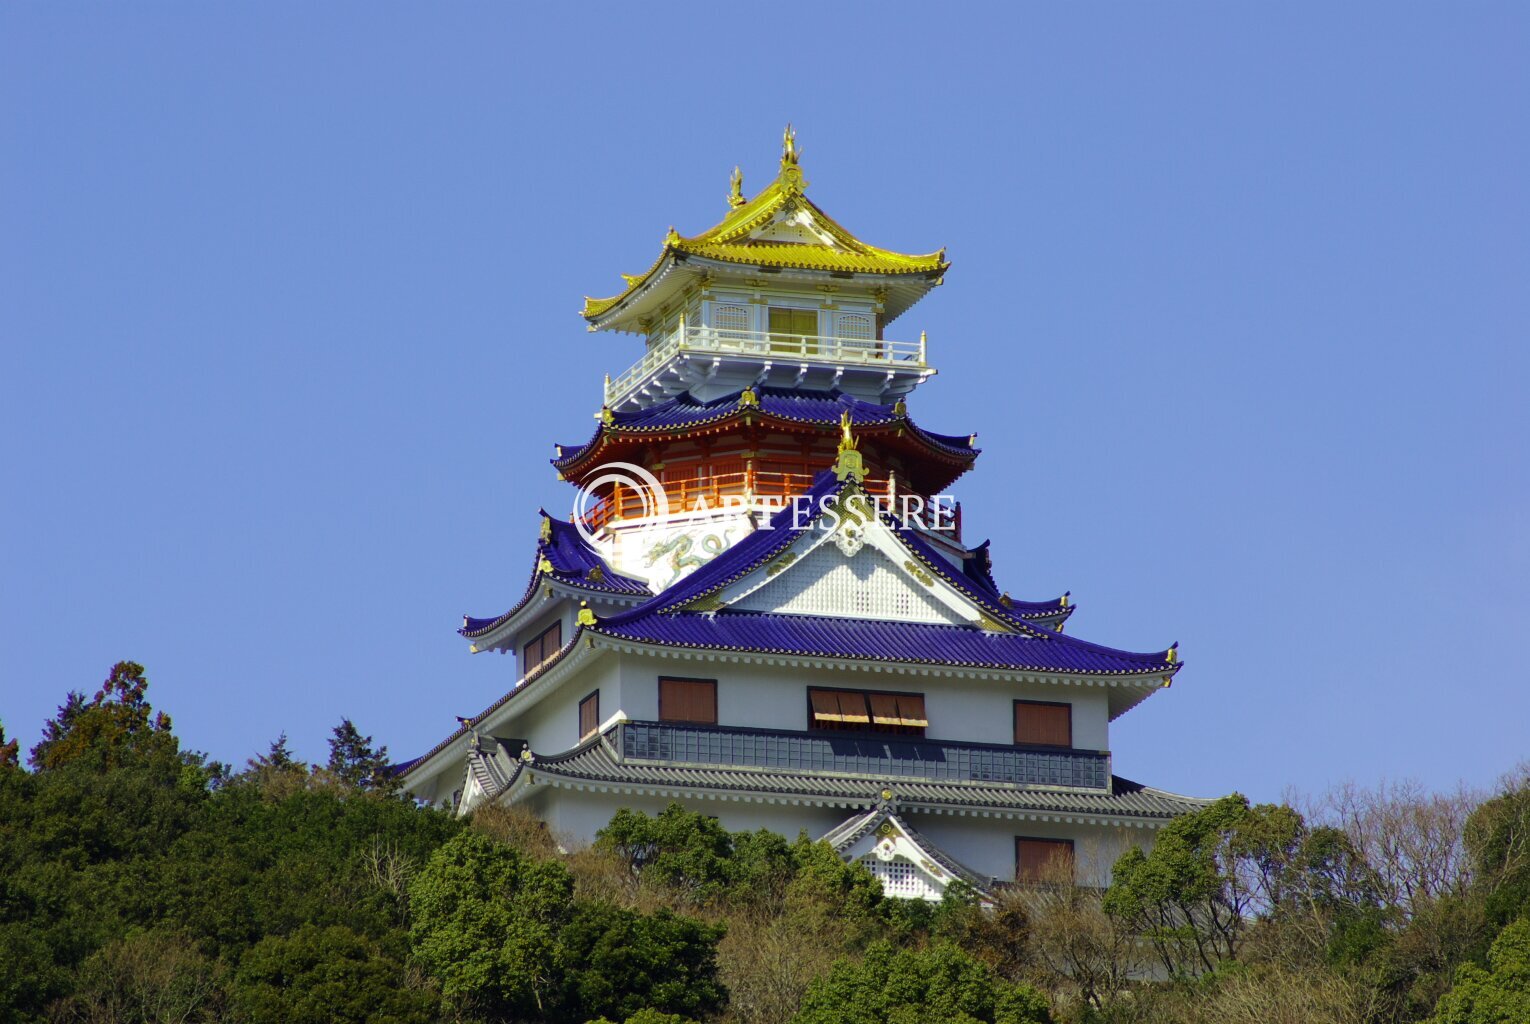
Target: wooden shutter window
[852,708]
[688,700]
[1043,860]
[1043,724]
[589,716]
[911,710]
[884,709]
[837,709]
[547,643]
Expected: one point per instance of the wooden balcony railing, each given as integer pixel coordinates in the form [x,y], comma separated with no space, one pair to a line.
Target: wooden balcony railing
[734,482]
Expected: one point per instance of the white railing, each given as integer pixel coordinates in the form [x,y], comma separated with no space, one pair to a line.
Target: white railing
[766,345]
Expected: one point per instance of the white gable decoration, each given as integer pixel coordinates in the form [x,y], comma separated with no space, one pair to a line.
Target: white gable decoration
[866,585]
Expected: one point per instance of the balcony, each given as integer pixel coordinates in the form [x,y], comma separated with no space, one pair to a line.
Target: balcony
[712,361]
[890,757]
[742,484]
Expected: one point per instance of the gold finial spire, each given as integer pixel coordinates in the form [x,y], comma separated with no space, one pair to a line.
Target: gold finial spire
[789,152]
[849,465]
[736,189]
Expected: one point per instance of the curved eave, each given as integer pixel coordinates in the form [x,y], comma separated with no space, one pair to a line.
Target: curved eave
[606,435]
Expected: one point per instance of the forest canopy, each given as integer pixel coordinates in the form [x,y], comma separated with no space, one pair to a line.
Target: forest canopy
[142,881]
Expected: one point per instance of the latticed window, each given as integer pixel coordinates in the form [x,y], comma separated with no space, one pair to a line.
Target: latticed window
[547,643]
[899,877]
[589,715]
[1042,723]
[732,322]
[688,700]
[856,331]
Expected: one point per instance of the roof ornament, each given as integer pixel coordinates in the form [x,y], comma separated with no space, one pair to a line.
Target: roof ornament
[607,416]
[1066,594]
[586,615]
[546,527]
[849,465]
[900,408]
[748,399]
[791,173]
[789,153]
[1006,600]
[736,189]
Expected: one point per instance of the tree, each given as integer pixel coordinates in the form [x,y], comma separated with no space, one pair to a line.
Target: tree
[1498,840]
[486,923]
[913,986]
[1498,995]
[9,752]
[1213,873]
[354,763]
[326,976]
[617,963]
[114,726]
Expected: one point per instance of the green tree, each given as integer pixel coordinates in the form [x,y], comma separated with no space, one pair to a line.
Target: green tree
[1498,841]
[326,976]
[10,756]
[1498,995]
[619,963]
[1212,874]
[915,986]
[355,763]
[486,923]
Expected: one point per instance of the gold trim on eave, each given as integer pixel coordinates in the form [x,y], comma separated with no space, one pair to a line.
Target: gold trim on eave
[730,241]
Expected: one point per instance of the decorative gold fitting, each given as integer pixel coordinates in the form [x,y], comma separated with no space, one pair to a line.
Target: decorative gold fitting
[586,616]
[747,399]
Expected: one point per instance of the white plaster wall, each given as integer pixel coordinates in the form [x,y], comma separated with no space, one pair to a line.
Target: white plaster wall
[574,816]
[766,697]
[987,845]
[551,725]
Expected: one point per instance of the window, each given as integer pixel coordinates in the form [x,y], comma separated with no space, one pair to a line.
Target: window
[859,711]
[732,321]
[856,333]
[589,716]
[688,700]
[1043,860]
[794,331]
[547,643]
[1041,723]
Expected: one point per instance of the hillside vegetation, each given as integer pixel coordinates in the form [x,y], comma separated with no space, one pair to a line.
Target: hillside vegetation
[142,882]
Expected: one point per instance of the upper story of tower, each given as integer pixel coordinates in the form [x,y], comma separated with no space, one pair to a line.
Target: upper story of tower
[777,294]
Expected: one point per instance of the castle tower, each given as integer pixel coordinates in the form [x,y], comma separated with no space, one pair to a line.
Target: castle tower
[763,604]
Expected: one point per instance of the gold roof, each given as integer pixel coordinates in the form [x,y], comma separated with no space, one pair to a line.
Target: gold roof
[736,238]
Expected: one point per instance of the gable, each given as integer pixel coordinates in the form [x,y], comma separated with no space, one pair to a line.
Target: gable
[865,585]
[793,225]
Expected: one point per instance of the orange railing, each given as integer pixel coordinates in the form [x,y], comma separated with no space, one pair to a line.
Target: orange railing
[687,489]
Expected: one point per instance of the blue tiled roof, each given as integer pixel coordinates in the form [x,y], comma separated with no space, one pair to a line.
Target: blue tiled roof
[661,621]
[822,407]
[573,561]
[872,640]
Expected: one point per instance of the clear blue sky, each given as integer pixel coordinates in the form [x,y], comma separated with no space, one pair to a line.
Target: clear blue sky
[1238,310]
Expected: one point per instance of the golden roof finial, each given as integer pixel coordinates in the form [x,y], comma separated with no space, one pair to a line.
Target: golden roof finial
[849,465]
[736,189]
[789,151]
[847,441]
